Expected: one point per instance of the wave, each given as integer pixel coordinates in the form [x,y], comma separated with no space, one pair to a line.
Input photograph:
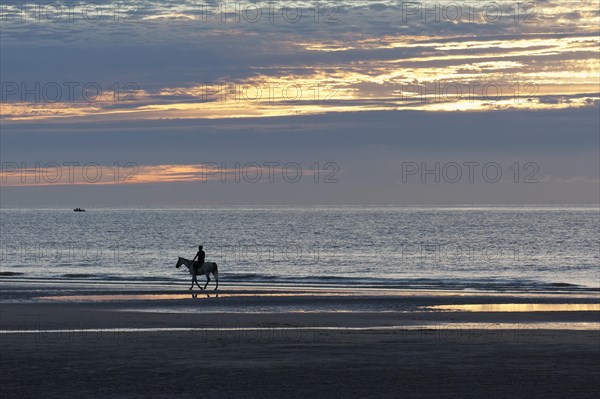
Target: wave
[487,284]
[494,284]
[78,275]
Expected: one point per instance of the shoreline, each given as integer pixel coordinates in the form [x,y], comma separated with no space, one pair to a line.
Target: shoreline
[12,280]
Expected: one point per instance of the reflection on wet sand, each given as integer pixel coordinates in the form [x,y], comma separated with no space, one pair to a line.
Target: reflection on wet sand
[447,328]
[523,307]
[129,297]
[144,297]
[215,295]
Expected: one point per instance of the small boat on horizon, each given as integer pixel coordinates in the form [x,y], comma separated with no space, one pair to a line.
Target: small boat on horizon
[78,210]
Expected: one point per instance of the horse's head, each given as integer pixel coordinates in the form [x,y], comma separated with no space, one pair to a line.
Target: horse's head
[179,262]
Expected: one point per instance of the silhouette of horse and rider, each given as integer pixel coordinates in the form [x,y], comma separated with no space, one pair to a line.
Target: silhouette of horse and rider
[200,267]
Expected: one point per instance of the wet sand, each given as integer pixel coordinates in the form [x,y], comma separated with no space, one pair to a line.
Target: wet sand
[273,343]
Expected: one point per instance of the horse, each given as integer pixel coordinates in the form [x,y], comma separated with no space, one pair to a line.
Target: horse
[206,268]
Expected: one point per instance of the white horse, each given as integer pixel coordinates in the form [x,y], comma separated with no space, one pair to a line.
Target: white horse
[206,268]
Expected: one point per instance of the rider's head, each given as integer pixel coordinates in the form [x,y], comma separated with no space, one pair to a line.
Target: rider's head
[200,247]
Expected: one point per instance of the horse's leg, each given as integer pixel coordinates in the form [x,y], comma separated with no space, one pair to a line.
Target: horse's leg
[207,280]
[217,280]
[194,280]
[198,284]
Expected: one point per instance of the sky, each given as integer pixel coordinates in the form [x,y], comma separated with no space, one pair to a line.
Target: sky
[191,103]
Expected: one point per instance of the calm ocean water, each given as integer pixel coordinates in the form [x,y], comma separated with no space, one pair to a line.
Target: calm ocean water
[500,248]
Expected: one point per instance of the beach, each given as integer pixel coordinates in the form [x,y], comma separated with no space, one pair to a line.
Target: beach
[128,341]
[383,200]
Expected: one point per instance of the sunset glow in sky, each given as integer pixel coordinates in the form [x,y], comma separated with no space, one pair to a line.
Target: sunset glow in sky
[170,85]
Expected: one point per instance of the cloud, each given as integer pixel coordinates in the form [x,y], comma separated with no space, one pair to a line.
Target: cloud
[391,77]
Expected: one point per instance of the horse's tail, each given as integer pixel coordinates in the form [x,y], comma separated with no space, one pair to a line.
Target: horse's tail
[216,271]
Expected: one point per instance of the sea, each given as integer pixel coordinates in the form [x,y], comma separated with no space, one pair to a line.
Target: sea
[498,248]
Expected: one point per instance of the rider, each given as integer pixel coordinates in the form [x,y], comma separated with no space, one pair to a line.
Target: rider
[200,255]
